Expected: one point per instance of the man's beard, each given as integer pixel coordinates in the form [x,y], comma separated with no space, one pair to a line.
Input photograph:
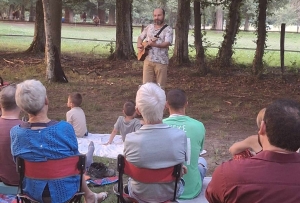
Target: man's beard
[158,22]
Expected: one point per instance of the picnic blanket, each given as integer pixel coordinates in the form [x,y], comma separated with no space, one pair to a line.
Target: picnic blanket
[109,151]
[103,181]
[8,198]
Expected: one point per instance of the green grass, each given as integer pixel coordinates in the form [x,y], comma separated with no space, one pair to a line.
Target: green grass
[99,48]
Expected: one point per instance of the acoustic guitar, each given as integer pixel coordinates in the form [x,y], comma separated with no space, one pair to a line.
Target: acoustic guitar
[144,52]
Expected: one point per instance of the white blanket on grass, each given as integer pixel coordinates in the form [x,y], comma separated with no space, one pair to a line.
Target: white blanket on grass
[109,151]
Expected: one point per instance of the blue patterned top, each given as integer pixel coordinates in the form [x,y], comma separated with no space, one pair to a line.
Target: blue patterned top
[54,142]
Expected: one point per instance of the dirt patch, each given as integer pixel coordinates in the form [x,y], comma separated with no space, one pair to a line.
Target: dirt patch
[227,105]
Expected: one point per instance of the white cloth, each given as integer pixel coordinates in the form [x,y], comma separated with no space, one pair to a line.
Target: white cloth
[109,151]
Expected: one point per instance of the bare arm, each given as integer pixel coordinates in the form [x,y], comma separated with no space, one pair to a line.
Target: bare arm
[161,45]
[249,142]
[112,136]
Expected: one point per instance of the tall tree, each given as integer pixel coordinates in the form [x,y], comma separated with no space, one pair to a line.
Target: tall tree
[181,51]
[124,47]
[200,55]
[257,65]
[112,15]
[232,27]
[39,39]
[101,11]
[52,21]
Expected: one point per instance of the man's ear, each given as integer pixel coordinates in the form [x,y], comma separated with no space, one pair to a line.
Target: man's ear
[46,101]
[262,129]
[167,105]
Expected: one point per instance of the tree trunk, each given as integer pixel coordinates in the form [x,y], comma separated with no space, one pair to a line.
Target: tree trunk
[257,65]
[52,21]
[124,48]
[200,56]
[32,13]
[39,39]
[22,16]
[11,10]
[101,12]
[247,24]
[69,15]
[232,27]
[181,51]
[112,15]
[219,18]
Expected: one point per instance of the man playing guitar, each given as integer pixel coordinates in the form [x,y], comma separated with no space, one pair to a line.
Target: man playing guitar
[157,60]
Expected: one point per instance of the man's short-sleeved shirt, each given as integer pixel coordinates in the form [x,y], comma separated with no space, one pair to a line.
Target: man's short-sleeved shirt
[158,55]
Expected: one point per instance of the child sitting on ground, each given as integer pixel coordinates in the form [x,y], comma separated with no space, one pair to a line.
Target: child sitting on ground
[241,149]
[126,124]
[76,116]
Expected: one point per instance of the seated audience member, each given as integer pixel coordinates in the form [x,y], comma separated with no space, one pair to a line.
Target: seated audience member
[155,145]
[241,149]
[195,131]
[127,124]
[76,116]
[270,176]
[41,139]
[9,118]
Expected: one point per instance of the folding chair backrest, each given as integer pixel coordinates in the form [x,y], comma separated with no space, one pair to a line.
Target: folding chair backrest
[144,175]
[51,169]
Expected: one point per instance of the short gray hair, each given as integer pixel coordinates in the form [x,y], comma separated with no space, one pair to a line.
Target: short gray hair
[7,98]
[30,96]
[151,101]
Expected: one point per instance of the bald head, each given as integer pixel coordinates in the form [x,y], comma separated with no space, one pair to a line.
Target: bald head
[7,98]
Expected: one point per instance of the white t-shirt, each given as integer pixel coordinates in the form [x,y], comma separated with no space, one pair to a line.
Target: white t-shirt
[76,118]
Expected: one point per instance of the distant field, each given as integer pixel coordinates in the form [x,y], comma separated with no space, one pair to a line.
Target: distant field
[214,38]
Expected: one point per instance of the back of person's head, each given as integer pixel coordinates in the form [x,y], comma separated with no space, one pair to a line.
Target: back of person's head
[150,101]
[76,99]
[129,108]
[260,117]
[176,98]
[31,96]
[282,120]
[7,98]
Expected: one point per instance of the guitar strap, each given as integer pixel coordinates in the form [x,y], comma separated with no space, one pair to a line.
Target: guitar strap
[161,29]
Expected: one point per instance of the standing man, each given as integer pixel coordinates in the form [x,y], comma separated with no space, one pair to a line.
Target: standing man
[195,132]
[156,63]
[270,176]
[9,118]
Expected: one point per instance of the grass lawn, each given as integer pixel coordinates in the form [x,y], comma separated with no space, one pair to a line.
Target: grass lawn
[101,48]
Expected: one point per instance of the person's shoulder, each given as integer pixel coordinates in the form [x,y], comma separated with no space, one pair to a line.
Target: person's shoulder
[195,121]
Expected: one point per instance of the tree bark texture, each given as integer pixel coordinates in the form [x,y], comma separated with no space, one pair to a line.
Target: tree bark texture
[181,51]
[257,65]
[224,56]
[200,55]
[112,15]
[39,39]
[52,21]
[124,48]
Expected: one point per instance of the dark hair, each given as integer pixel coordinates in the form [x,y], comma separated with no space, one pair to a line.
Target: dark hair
[282,119]
[7,97]
[176,98]
[129,108]
[76,99]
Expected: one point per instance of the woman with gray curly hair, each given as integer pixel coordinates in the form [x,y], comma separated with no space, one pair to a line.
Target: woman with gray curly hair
[41,139]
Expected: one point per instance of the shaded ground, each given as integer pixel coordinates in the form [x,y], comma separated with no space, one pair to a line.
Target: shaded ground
[226,105]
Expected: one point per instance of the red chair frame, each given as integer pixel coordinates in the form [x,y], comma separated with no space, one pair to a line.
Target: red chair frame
[51,169]
[144,175]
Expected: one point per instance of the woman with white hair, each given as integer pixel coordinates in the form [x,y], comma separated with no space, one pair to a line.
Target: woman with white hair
[41,139]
